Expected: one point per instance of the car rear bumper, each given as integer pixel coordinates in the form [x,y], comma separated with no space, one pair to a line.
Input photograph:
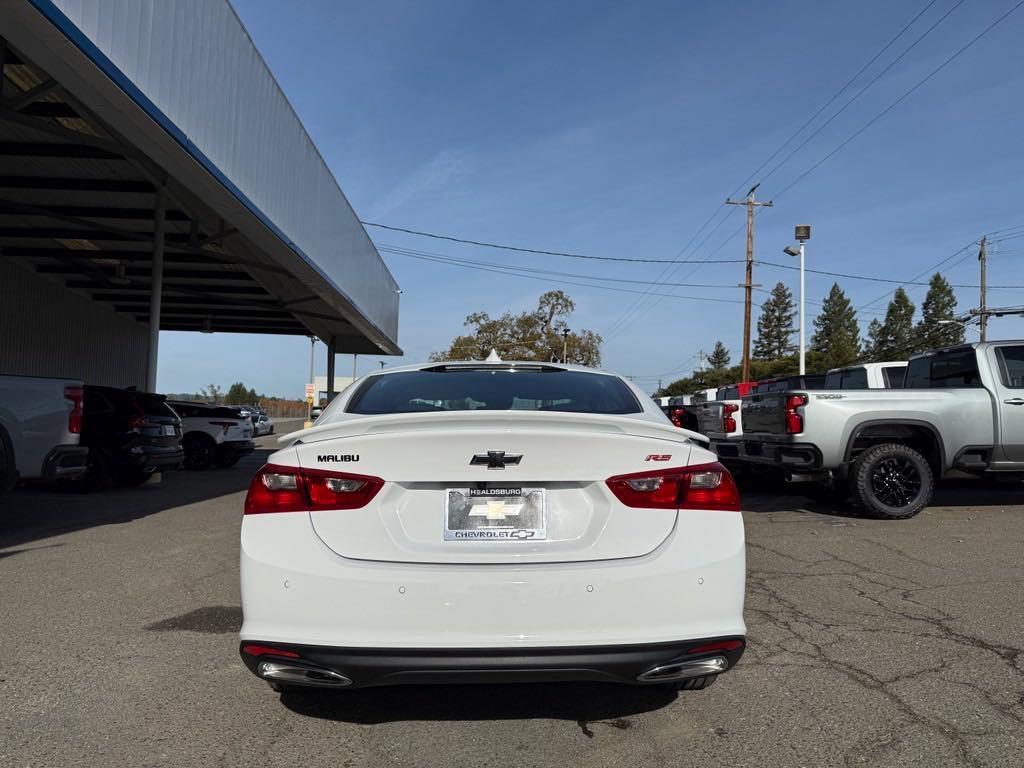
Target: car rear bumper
[322,666]
[782,454]
[65,462]
[727,448]
[150,458]
[296,590]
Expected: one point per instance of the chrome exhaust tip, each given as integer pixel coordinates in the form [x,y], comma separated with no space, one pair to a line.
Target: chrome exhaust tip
[682,670]
[300,675]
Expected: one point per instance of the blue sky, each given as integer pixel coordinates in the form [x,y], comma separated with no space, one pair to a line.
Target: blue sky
[617,129]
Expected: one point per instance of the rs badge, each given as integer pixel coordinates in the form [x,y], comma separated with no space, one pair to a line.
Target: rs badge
[659,457]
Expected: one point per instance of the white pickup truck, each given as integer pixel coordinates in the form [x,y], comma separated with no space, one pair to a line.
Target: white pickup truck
[961,408]
[40,428]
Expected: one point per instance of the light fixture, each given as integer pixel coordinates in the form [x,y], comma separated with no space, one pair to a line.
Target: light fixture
[791,250]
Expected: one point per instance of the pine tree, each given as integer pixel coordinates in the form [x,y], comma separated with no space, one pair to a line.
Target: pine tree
[939,305]
[775,326]
[872,341]
[895,338]
[719,357]
[836,334]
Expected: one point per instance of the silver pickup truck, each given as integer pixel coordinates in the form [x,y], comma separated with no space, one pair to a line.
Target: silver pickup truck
[40,429]
[961,408]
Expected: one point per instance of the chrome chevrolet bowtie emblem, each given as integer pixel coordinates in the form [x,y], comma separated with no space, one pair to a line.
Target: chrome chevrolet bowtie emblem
[495,459]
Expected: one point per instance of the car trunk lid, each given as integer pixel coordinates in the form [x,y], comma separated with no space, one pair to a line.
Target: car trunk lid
[435,465]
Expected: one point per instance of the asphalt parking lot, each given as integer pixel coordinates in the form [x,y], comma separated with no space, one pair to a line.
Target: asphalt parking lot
[871,643]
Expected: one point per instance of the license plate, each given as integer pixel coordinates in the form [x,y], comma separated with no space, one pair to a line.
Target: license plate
[494,514]
[169,430]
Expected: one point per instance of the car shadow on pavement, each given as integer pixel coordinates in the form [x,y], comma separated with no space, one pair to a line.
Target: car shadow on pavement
[953,492]
[31,513]
[592,706]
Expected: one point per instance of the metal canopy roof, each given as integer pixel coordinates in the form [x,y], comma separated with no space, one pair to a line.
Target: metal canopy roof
[78,203]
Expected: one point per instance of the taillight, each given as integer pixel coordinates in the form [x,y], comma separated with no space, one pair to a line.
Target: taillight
[74,394]
[720,645]
[795,419]
[251,649]
[293,489]
[677,417]
[728,420]
[704,486]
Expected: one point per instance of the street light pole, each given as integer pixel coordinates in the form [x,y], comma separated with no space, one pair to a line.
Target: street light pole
[565,346]
[803,234]
[803,346]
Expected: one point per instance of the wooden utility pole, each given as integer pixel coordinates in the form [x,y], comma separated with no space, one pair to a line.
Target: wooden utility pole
[982,307]
[748,285]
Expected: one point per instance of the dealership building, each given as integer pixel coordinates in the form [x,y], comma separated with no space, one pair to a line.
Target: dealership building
[153,176]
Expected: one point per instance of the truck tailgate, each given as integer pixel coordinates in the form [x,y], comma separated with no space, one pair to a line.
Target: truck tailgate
[764,413]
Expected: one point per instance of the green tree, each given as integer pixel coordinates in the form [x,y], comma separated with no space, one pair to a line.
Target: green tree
[939,308]
[836,336]
[775,326]
[719,357]
[237,394]
[540,334]
[893,338]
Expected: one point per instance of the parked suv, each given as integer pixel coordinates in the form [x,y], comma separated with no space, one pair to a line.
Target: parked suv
[129,434]
[212,435]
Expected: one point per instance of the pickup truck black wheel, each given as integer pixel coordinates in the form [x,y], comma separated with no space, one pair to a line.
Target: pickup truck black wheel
[8,470]
[892,481]
[200,450]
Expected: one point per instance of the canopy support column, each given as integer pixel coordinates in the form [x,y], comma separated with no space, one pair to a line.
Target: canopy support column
[156,287]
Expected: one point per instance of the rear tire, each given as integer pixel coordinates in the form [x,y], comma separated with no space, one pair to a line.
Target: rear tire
[691,684]
[8,469]
[892,481]
[200,450]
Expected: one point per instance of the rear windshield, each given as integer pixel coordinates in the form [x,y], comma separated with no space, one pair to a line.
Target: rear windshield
[493,390]
[893,376]
[944,370]
[153,405]
[848,378]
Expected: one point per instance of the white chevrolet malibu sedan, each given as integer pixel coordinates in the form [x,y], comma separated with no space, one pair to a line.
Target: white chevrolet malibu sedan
[492,522]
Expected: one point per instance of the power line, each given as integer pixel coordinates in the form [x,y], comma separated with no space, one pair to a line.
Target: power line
[872,279]
[502,271]
[454,261]
[874,80]
[637,308]
[836,95]
[537,251]
[901,98]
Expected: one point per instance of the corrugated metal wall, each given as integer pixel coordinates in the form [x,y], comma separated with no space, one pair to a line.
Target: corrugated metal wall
[47,330]
[196,62]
